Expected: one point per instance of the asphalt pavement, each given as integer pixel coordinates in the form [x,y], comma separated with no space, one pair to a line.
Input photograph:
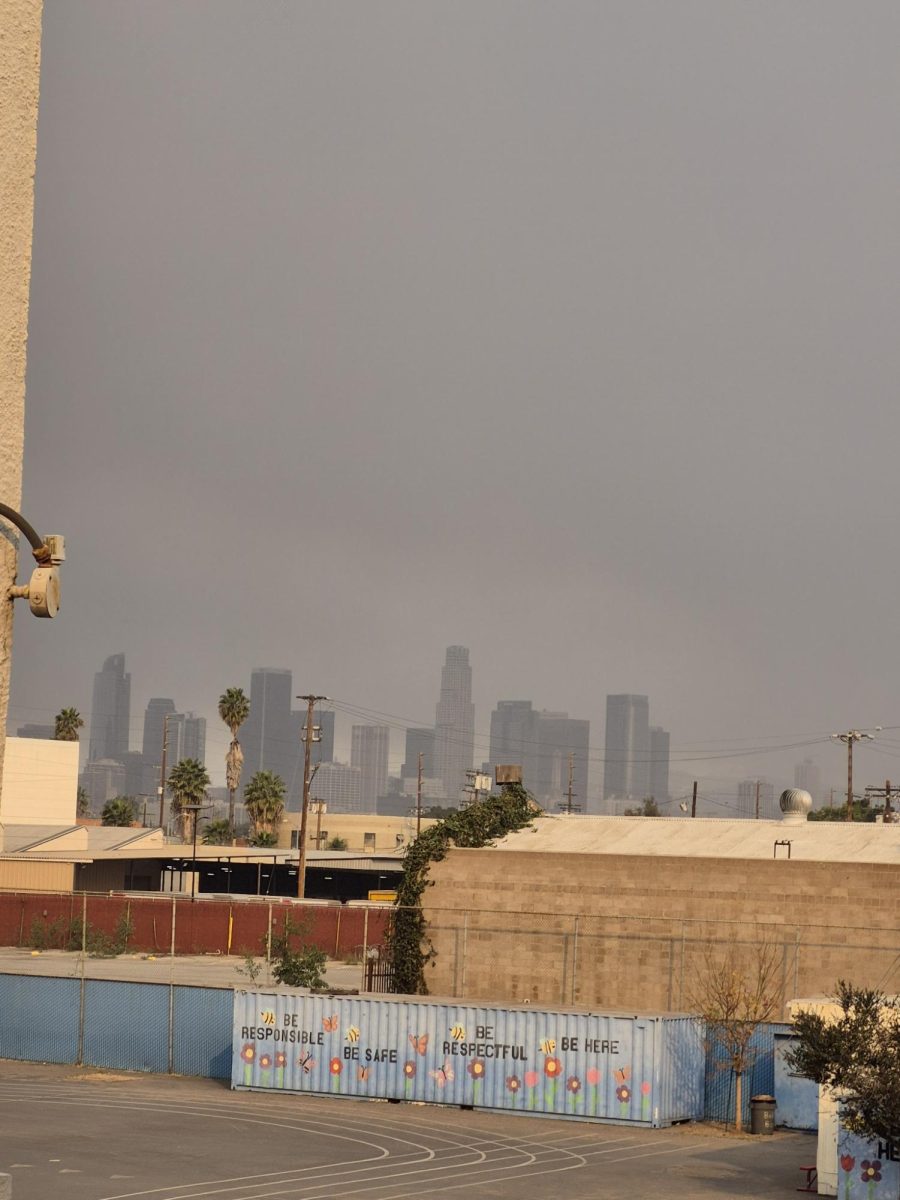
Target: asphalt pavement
[80,1134]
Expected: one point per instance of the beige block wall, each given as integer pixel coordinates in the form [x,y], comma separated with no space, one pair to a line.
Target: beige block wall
[40,782]
[353,827]
[20,57]
[622,931]
[23,876]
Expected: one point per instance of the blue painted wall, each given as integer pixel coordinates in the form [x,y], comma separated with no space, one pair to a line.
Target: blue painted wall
[797,1098]
[758,1081]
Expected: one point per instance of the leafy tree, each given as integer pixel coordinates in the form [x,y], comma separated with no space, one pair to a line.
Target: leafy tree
[263,838]
[66,725]
[858,1054]
[188,781]
[439,811]
[336,843]
[648,808]
[264,802]
[82,803]
[217,833]
[407,938]
[234,709]
[121,810]
[736,990]
[862,811]
[302,966]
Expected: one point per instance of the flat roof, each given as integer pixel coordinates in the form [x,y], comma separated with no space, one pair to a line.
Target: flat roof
[708,837]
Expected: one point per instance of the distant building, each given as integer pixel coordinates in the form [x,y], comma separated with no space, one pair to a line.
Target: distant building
[323,749]
[133,762]
[36,731]
[746,799]
[110,711]
[369,751]
[270,737]
[154,718]
[454,726]
[512,738]
[557,737]
[626,771]
[808,776]
[418,741]
[659,764]
[103,780]
[339,785]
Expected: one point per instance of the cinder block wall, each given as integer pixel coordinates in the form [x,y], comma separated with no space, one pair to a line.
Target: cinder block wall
[621,931]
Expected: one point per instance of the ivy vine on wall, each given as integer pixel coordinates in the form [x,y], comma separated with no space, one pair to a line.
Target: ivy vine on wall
[407,941]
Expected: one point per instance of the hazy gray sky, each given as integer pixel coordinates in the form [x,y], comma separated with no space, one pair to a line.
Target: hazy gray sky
[567,332]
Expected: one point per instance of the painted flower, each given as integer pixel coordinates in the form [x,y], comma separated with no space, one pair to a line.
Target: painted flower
[848,1162]
[573,1084]
[476,1068]
[409,1068]
[552,1067]
[645,1089]
[265,1062]
[280,1059]
[870,1170]
[593,1076]
[623,1093]
[513,1083]
[248,1053]
[335,1066]
[531,1079]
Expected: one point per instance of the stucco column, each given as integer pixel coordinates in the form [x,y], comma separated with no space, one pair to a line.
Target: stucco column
[20,65]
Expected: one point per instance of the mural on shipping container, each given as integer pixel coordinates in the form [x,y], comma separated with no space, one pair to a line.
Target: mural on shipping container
[605,1067]
[867,1170]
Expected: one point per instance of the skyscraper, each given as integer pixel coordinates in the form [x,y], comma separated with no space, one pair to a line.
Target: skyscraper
[418,741]
[556,737]
[270,738]
[110,711]
[808,776]
[512,738]
[454,726]
[187,737]
[369,750]
[323,749]
[626,772]
[659,764]
[746,799]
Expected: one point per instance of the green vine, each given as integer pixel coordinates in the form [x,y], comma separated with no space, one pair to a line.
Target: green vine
[407,941]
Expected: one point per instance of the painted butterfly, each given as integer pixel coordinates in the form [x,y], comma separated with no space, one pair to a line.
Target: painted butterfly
[443,1074]
[624,1075]
[329,1024]
[419,1042]
[306,1061]
[362,1074]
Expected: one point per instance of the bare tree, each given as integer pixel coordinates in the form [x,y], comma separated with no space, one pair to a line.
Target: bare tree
[737,989]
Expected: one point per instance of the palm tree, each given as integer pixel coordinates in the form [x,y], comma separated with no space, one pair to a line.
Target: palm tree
[234,708]
[68,722]
[187,782]
[82,803]
[264,801]
[118,811]
[217,833]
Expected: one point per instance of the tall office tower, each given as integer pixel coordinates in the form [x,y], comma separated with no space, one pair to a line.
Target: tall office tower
[154,718]
[339,786]
[454,726]
[626,771]
[370,747]
[323,749]
[418,741]
[270,737]
[659,764]
[513,737]
[746,799]
[557,736]
[808,776]
[111,711]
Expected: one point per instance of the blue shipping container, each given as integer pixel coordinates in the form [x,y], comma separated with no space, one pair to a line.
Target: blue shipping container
[645,1070]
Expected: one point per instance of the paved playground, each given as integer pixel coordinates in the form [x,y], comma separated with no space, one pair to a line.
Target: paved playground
[78,1134]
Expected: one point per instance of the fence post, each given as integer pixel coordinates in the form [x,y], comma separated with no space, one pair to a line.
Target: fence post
[171,1032]
[575,959]
[365,953]
[465,953]
[80,1057]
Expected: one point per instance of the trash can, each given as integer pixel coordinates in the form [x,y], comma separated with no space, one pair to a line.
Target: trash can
[762,1114]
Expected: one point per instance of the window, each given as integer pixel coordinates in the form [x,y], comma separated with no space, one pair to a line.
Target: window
[369,843]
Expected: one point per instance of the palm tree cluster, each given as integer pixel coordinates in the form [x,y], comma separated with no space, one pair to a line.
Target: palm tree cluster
[234,708]
[66,725]
[188,782]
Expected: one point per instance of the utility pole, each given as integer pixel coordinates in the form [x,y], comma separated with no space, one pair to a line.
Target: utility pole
[887,815]
[694,800]
[311,733]
[569,793]
[851,736]
[757,800]
[162,772]
[419,796]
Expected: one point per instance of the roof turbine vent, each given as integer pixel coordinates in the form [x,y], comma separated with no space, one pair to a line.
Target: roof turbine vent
[795,804]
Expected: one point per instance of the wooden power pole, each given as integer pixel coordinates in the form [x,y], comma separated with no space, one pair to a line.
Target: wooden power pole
[311,733]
